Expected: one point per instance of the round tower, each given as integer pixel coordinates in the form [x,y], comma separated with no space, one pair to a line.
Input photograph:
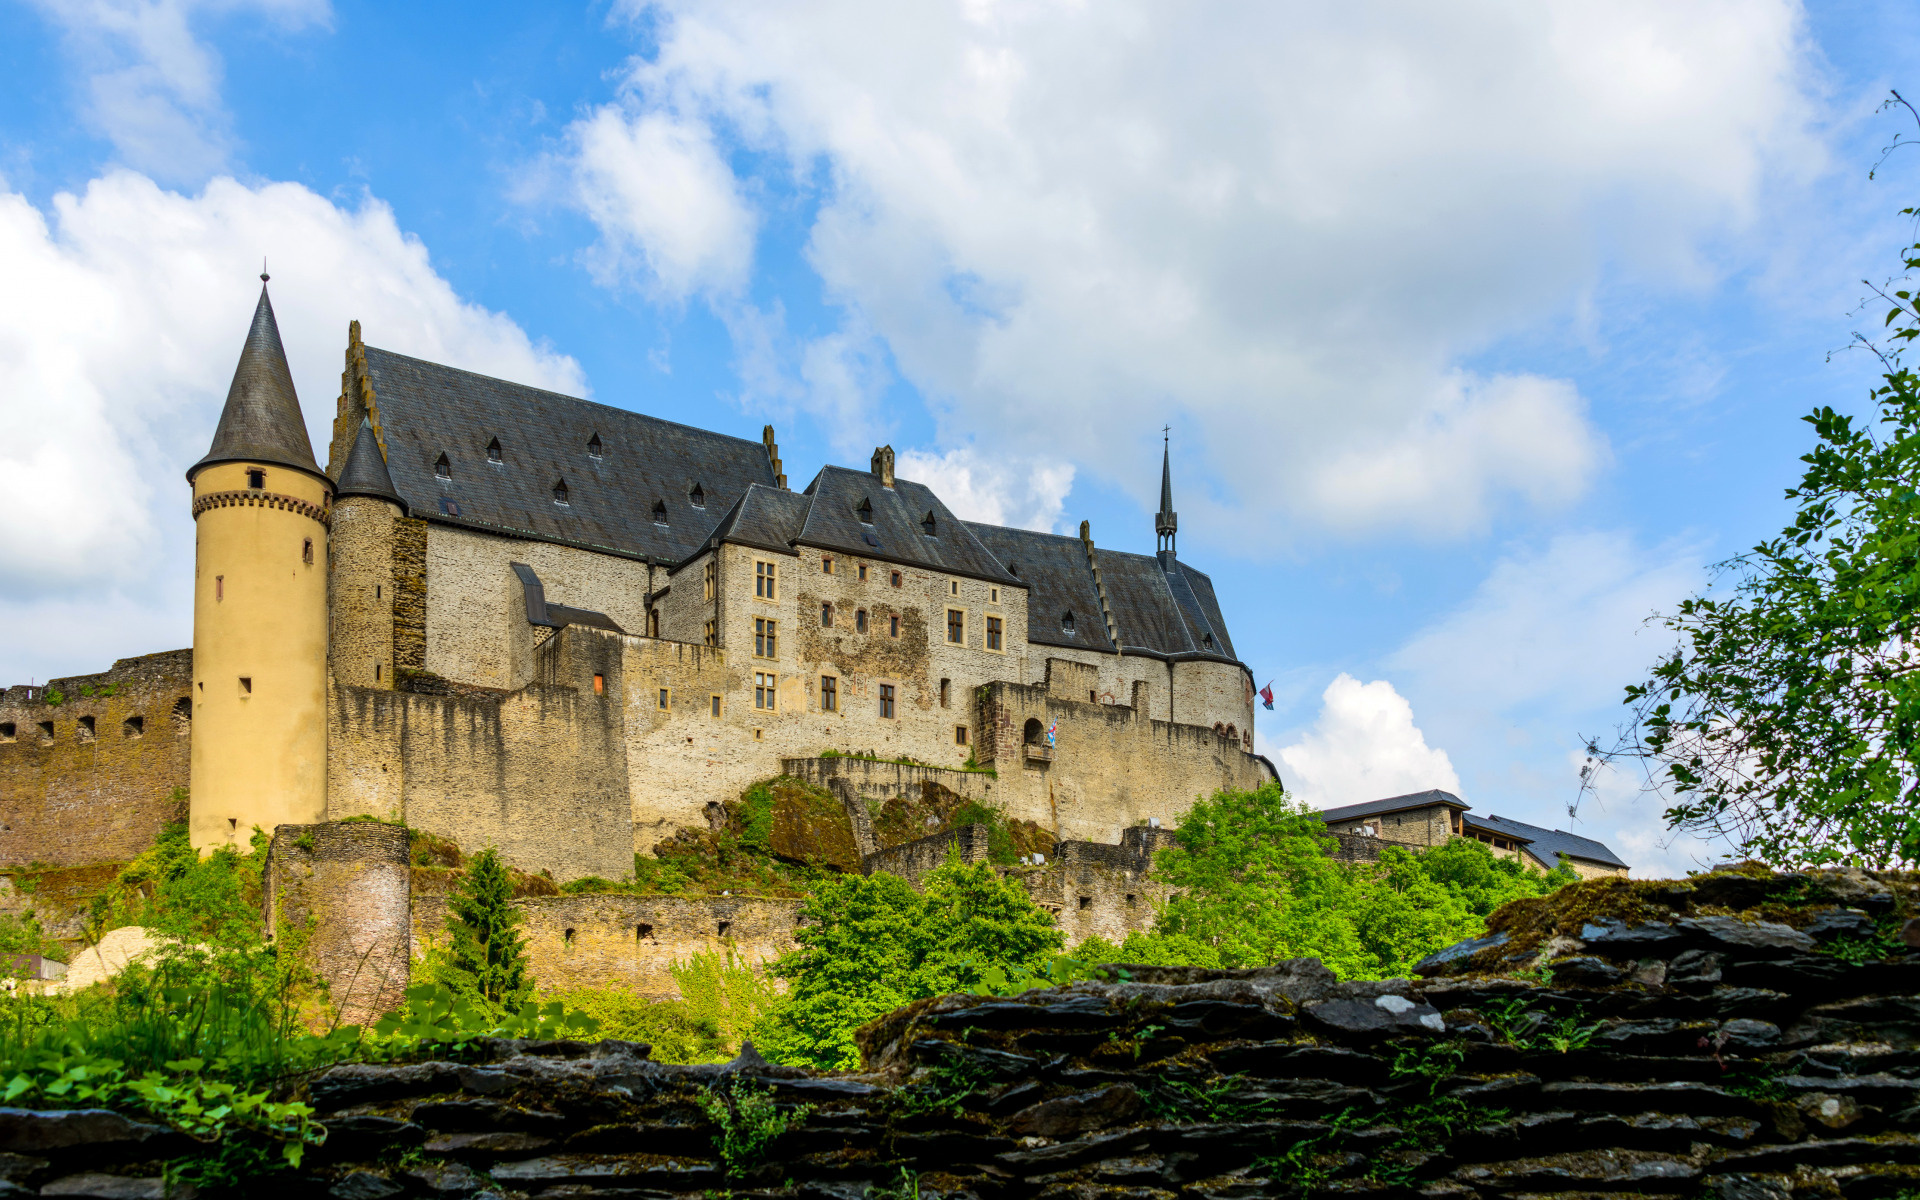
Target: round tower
[261,508]
[365,507]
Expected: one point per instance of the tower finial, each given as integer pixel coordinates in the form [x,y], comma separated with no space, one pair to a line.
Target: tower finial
[263,269]
[1166,521]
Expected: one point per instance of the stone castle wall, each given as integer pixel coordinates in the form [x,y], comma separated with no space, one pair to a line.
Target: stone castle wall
[95,777]
[341,894]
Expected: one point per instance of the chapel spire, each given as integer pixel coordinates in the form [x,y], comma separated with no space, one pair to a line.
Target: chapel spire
[261,421]
[1166,521]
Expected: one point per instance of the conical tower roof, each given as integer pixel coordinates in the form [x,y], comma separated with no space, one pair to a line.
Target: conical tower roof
[366,471]
[262,421]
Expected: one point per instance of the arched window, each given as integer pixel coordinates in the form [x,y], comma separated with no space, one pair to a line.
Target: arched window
[443,468]
[1066,622]
[493,451]
[593,446]
[560,492]
[659,512]
[1233,735]
[1035,733]
[698,496]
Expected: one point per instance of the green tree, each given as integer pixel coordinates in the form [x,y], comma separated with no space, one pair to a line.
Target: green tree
[869,944]
[486,956]
[1787,718]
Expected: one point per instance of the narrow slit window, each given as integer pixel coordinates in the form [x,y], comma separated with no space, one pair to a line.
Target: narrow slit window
[893,626]
[376,672]
[666,699]
[863,572]
[442,468]
[826,564]
[829,694]
[599,683]
[219,587]
[946,687]
[826,614]
[896,579]
[306,552]
[716,704]
[860,620]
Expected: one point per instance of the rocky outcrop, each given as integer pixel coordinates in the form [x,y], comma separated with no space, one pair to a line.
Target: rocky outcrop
[1673,1055]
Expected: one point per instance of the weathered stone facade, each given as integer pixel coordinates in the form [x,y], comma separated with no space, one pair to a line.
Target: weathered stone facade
[339,893]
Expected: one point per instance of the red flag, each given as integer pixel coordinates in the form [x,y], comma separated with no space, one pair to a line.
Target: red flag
[1266,694]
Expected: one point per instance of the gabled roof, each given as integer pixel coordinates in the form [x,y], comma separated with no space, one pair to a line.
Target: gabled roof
[366,471]
[1054,570]
[1426,799]
[427,410]
[1549,844]
[767,518]
[261,420]
[839,498]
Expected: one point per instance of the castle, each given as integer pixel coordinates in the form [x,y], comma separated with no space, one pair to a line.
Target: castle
[514,618]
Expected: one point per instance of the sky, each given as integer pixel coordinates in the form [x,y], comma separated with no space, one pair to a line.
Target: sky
[1480,332]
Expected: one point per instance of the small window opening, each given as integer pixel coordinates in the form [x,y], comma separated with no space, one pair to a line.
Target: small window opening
[865,511]
[567,937]
[863,572]
[928,524]
[642,932]
[593,446]
[826,614]
[829,694]
[993,595]
[1066,622]
[1086,902]
[233,824]
[860,620]
[257,479]
[599,684]
[724,926]
[945,686]
[893,626]
[442,467]
[953,586]
[376,672]
[133,727]
[560,493]
[219,587]
[959,735]
[246,685]
[698,496]
[666,698]
[1130,899]
[6,731]
[1206,639]
[46,731]
[493,451]
[895,578]
[886,700]
[826,564]
[376,591]
[659,512]
[306,552]
[182,716]
[756,735]
[716,705]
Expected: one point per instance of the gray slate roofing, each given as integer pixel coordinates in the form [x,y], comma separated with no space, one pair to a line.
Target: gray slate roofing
[1549,844]
[366,471]
[1054,568]
[427,410]
[1426,799]
[896,530]
[766,517]
[261,420]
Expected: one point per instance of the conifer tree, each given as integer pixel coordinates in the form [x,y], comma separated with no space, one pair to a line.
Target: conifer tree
[487,955]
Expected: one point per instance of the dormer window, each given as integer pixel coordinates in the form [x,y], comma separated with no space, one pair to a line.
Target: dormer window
[593,446]
[560,492]
[256,478]
[697,496]
[928,524]
[865,511]
[1066,622]
[493,451]
[442,468]
[659,512]
[1206,639]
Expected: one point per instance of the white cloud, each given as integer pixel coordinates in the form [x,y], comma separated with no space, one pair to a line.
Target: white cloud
[1288,225]
[152,88]
[124,315]
[1363,746]
[998,490]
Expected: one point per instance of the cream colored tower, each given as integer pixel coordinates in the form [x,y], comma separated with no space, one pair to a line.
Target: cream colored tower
[260,507]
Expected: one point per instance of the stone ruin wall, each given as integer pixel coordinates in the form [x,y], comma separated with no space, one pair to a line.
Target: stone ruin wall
[1710,1053]
[338,894]
[94,778]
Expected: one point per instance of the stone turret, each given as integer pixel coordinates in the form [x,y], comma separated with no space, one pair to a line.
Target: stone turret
[261,509]
[360,585]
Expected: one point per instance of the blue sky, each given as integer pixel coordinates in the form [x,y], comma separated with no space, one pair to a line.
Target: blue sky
[1482,331]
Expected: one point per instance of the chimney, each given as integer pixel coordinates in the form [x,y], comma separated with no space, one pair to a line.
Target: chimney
[883,465]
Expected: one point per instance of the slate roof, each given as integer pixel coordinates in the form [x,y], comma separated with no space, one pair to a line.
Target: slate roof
[897,531]
[427,410]
[766,517]
[1549,844]
[366,472]
[1054,570]
[261,420]
[1426,799]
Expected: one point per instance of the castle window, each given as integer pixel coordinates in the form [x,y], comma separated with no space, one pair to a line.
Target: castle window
[642,932]
[756,735]
[928,525]
[560,492]
[826,614]
[893,626]
[698,496]
[1086,902]
[666,697]
[946,685]
[895,578]
[993,595]
[1033,733]
[219,587]
[1013,569]
[659,512]
[443,468]
[724,926]
[764,690]
[957,626]
[493,452]
[860,619]
[826,564]
[959,735]
[593,446]
[46,731]
[993,633]
[246,685]
[376,591]
[84,730]
[376,672]
[599,683]
[765,635]
[829,694]
[953,587]
[6,731]
[716,704]
[133,727]
[863,572]
[1130,899]
[886,700]
[1206,639]
[712,635]
[865,511]
[306,552]
[183,716]
[1092,696]
[1066,623]
[257,479]
[763,580]
[708,579]
[567,937]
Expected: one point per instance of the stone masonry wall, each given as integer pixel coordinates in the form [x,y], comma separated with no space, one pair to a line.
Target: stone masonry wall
[95,777]
[340,894]
[615,940]
[1706,1055]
